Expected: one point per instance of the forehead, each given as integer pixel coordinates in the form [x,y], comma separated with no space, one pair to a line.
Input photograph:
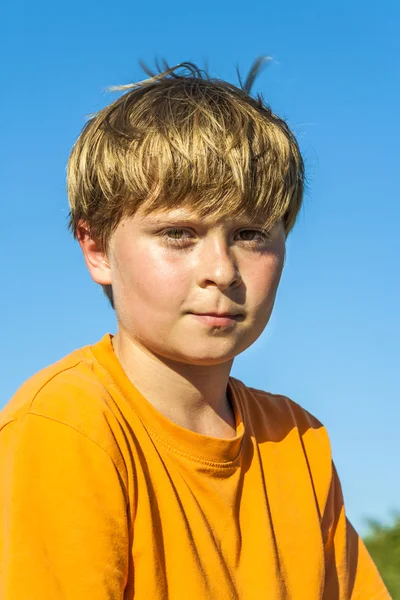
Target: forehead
[188,213]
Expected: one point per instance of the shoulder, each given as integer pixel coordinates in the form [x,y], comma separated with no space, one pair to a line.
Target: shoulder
[299,435]
[69,392]
[278,410]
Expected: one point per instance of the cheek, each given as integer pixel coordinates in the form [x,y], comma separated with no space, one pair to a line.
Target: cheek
[148,277]
[265,280]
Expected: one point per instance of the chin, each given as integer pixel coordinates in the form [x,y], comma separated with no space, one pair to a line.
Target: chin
[204,357]
[208,361]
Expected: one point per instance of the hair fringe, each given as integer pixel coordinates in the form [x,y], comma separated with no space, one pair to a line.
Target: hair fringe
[181,137]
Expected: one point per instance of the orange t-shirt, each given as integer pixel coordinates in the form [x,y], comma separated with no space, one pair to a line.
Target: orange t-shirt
[102,497]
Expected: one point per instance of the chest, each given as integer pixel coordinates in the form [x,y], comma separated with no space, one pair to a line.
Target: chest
[247,529]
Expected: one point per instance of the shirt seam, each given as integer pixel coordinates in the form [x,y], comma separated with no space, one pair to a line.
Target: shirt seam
[51,379]
[27,407]
[194,457]
[29,412]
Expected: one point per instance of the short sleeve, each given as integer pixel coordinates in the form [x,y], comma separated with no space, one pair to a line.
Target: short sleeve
[63,528]
[350,573]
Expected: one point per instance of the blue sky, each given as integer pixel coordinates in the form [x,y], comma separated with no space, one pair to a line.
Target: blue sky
[333,342]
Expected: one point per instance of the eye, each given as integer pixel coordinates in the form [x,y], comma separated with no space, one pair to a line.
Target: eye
[179,237]
[254,236]
[175,236]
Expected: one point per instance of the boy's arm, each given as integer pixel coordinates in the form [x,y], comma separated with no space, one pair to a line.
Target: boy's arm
[64,527]
[350,571]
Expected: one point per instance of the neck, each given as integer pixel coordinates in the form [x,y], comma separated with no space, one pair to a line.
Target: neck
[193,396]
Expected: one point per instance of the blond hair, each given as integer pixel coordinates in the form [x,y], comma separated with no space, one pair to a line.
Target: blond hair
[183,138]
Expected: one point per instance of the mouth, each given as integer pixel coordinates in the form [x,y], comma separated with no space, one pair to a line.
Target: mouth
[218,319]
[214,314]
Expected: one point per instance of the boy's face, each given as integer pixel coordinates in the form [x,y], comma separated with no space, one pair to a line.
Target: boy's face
[169,267]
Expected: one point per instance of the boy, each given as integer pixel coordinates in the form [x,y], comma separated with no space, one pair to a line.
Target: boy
[137,467]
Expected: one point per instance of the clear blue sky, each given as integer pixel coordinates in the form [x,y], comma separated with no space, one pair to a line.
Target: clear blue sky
[333,342]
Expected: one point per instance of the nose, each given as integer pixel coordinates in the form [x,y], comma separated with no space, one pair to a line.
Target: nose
[217,265]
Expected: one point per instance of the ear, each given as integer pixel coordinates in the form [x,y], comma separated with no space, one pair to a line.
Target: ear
[94,255]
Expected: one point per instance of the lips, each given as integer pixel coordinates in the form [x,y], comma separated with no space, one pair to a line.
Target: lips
[215,319]
[214,314]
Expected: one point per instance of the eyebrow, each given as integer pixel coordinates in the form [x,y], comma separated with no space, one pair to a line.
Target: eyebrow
[183,217]
[173,216]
